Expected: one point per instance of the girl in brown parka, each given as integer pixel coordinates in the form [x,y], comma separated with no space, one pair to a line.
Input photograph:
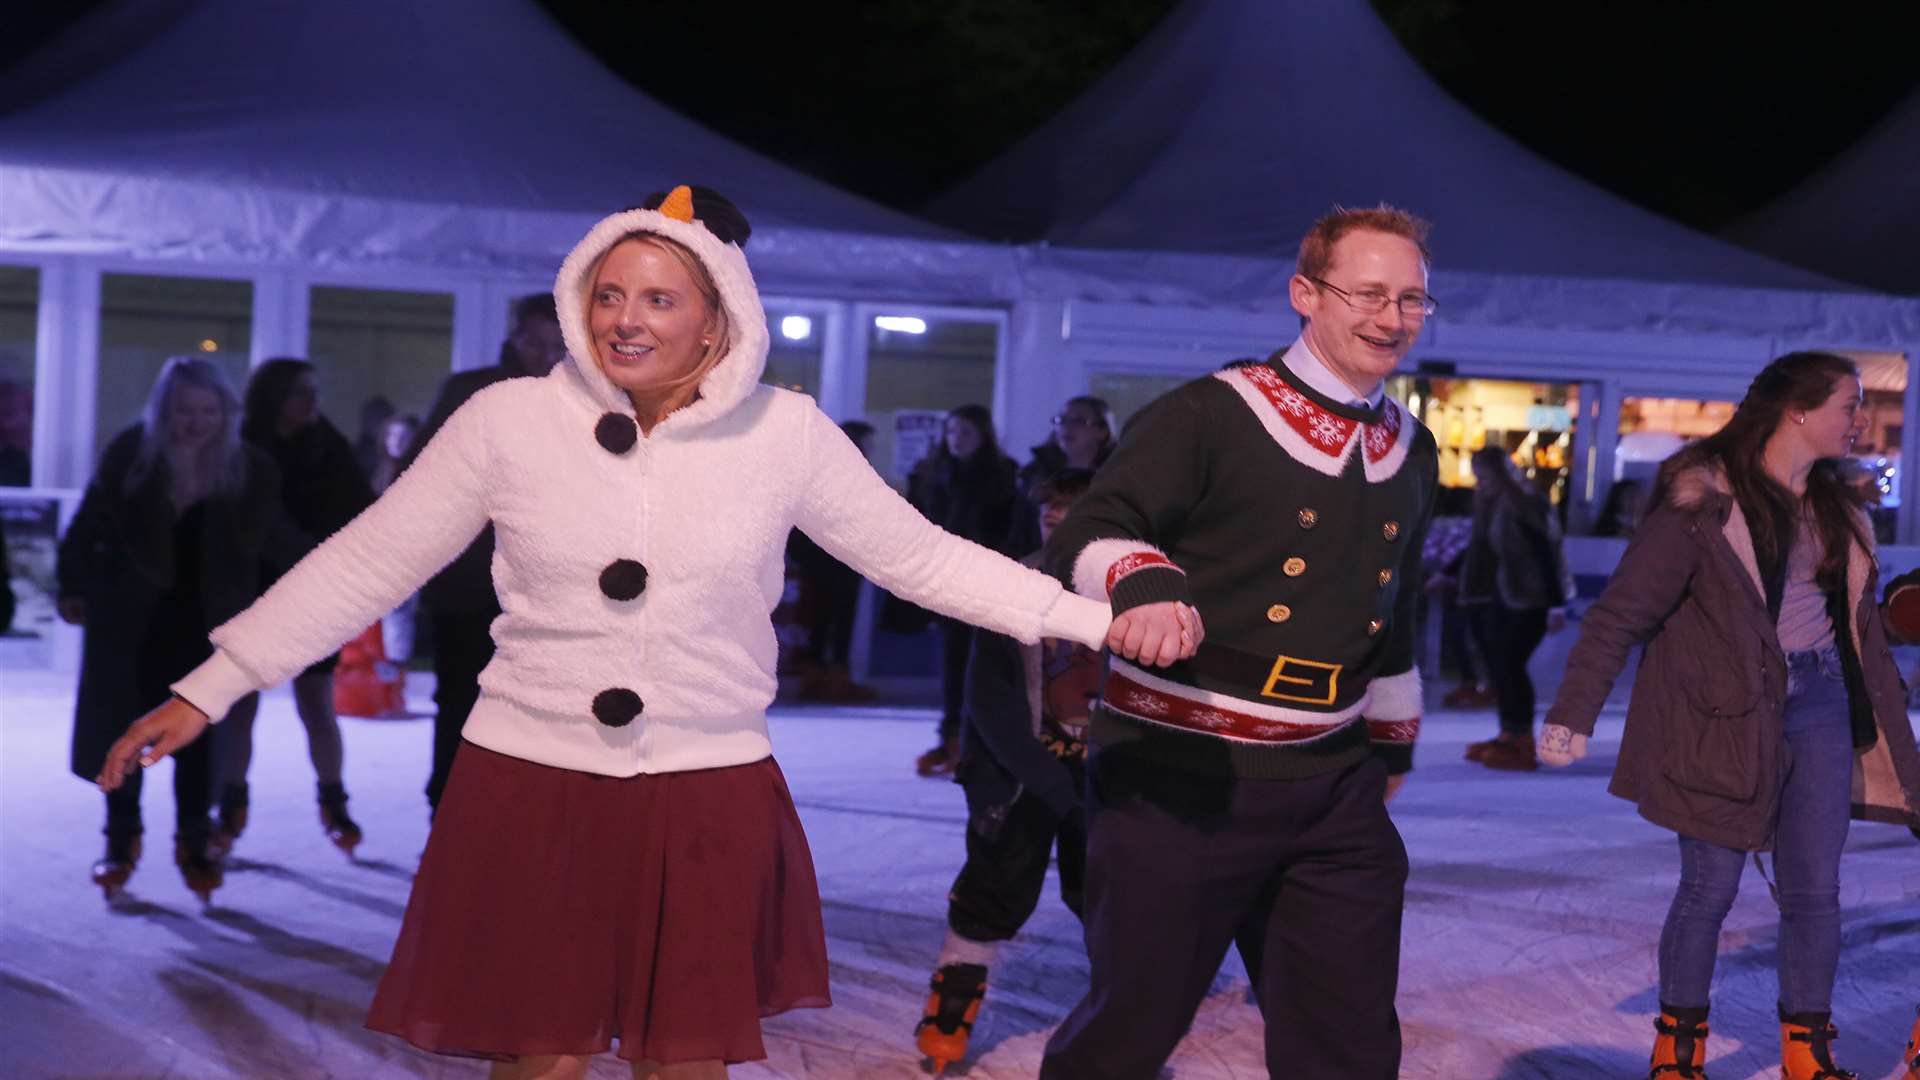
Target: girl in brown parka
[1767,705]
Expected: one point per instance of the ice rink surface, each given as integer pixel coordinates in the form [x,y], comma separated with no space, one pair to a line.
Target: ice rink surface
[1532,916]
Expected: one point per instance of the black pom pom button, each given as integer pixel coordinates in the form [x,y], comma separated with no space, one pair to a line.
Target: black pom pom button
[616,432]
[623,579]
[616,707]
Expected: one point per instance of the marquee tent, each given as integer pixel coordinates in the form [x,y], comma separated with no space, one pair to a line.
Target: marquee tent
[1857,219]
[1168,199]
[449,145]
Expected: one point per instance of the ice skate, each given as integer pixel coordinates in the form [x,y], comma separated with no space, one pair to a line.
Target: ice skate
[340,828]
[953,1003]
[123,854]
[1511,753]
[1680,1045]
[940,760]
[231,820]
[1805,1052]
[201,871]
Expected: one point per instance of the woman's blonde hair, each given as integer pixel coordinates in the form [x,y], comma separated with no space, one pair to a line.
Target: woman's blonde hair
[722,337]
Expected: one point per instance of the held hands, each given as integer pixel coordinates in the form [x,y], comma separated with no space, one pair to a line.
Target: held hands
[152,737]
[1560,746]
[1156,634]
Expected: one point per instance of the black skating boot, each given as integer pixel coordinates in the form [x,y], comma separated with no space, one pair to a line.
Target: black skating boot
[123,854]
[231,820]
[199,867]
[339,828]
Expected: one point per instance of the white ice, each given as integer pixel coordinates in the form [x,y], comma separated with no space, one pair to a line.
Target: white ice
[1532,915]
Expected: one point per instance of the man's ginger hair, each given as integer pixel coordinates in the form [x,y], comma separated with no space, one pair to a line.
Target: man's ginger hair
[1316,248]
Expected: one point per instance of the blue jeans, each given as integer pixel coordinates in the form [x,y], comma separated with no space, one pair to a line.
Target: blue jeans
[1810,830]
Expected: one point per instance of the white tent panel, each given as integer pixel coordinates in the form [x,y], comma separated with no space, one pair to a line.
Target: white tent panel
[1857,219]
[1239,121]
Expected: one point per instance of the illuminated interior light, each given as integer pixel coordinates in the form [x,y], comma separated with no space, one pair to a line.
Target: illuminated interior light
[905,324]
[796,328]
[209,345]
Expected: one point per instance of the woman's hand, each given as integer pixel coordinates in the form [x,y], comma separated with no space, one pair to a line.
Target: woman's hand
[73,610]
[1157,634]
[1560,746]
[152,737]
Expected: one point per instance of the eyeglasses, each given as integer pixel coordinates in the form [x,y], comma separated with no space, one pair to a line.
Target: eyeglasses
[1373,301]
[1068,420]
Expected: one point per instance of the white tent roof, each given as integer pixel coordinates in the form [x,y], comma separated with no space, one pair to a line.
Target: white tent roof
[1857,219]
[1239,121]
[433,132]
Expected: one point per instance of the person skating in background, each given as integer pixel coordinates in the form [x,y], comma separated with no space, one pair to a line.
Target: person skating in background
[1766,693]
[1461,649]
[967,487]
[836,600]
[396,438]
[1513,577]
[1022,763]
[169,541]
[459,602]
[322,488]
[369,444]
[1082,437]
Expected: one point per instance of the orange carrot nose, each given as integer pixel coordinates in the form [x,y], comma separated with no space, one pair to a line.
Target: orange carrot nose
[679,204]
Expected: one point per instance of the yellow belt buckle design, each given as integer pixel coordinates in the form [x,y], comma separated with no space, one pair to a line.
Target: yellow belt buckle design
[1294,679]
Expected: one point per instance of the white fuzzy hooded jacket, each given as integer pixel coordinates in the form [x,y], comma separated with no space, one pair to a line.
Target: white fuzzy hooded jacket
[636,574]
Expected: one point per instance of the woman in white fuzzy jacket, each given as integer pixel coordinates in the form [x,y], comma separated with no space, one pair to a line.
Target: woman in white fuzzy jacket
[617,856]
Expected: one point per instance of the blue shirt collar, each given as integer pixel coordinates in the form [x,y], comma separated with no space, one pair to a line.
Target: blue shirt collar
[1309,369]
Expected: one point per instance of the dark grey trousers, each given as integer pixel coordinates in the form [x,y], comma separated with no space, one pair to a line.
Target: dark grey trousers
[1307,876]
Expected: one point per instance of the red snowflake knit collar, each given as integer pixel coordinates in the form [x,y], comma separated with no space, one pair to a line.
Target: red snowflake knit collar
[1315,435]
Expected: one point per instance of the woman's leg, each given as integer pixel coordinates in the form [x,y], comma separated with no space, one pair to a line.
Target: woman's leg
[680,1070]
[1709,879]
[1520,634]
[313,700]
[541,1067]
[233,737]
[1814,810]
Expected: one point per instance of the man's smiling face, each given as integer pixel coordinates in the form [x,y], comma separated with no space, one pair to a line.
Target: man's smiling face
[1363,349]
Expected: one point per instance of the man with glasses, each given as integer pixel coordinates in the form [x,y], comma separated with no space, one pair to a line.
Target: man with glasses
[1239,797]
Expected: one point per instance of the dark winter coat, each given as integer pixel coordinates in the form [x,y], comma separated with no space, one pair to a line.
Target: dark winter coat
[117,555]
[1001,754]
[1515,554]
[1704,748]
[320,479]
[973,499]
[465,586]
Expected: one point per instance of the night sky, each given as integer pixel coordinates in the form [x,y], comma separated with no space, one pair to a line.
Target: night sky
[1700,111]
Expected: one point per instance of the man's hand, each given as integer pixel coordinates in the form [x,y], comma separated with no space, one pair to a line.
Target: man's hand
[1393,785]
[1560,746]
[73,610]
[1156,634]
[152,737]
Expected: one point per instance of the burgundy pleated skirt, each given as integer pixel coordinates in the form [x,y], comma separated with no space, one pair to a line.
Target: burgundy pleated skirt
[558,911]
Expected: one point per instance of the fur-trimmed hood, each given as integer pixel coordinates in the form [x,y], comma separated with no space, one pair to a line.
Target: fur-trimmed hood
[1695,487]
[738,372]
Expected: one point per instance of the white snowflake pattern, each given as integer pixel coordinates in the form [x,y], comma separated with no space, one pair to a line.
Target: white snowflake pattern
[1148,705]
[1272,730]
[1212,719]
[1291,402]
[1328,430]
